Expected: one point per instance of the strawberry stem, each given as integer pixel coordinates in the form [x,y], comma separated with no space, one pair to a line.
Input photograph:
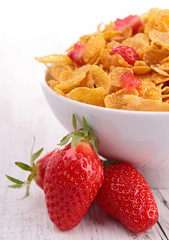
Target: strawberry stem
[83,133]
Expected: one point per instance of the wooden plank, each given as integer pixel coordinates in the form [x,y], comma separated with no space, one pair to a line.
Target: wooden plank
[163,206]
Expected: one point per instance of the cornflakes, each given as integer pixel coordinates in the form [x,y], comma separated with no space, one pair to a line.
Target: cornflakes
[94,96]
[93,48]
[89,73]
[138,42]
[57,69]
[74,81]
[117,100]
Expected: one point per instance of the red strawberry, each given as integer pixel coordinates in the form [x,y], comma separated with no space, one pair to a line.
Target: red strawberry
[125,195]
[128,53]
[40,167]
[77,53]
[129,81]
[132,21]
[41,164]
[72,179]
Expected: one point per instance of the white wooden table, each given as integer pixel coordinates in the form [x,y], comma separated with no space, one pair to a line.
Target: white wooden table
[24,113]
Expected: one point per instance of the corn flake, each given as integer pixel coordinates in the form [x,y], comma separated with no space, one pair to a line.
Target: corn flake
[160,38]
[57,69]
[154,55]
[161,72]
[93,48]
[71,83]
[58,58]
[117,100]
[138,42]
[93,96]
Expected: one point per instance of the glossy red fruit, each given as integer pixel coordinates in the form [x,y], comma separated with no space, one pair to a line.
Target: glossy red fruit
[77,53]
[132,21]
[41,164]
[125,195]
[129,81]
[71,182]
[40,167]
[128,53]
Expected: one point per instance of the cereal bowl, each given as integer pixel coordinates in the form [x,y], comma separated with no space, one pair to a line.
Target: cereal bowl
[138,137]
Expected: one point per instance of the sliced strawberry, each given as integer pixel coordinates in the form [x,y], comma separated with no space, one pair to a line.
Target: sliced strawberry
[128,53]
[77,53]
[129,81]
[132,21]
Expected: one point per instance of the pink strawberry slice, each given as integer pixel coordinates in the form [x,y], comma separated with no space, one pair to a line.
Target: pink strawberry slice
[128,53]
[132,21]
[129,81]
[77,53]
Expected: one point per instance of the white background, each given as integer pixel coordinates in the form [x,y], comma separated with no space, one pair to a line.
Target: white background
[28,29]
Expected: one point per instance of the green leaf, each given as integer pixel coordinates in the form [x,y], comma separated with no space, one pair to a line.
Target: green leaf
[14,180]
[23,166]
[35,155]
[93,141]
[16,185]
[85,127]
[80,130]
[65,139]
[27,191]
[74,122]
[76,139]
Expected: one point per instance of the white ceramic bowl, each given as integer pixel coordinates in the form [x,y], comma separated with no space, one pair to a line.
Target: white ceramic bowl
[139,138]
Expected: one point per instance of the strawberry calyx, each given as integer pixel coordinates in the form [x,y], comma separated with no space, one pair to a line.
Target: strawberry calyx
[82,134]
[106,163]
[32,168]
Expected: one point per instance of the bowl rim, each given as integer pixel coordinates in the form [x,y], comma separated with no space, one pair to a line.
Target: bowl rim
[102,109]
